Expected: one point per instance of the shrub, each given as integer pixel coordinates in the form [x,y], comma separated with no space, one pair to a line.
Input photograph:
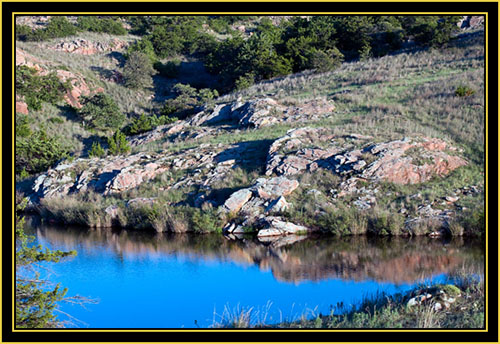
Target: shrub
[118,144]
[138,71]
[59,26]
[101,112]
[22,31]
[37,152]
[22,126]
[143,46]
[384,222]
[37,89]
[244,81]
[188,99]
[145,123]
[464,91]
[97,151]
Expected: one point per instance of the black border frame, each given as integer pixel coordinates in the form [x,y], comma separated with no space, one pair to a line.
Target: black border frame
[245,334]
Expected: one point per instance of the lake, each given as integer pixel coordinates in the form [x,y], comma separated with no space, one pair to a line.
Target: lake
[148,280]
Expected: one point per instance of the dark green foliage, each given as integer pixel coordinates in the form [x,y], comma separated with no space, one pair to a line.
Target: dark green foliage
[37,89]
[118,144]
[464,91]
[244,81]
[101,112]
[58,26]
[37,151]
[98,24]
[35,301]
[187,100]
[97,151]
[326,61]
[22,31]
[145,123]
[386,223]
[143,46]
[169,69]
[138,71]
[22,125]
[434,31]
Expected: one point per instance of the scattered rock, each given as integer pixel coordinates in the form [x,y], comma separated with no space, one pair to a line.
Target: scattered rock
[275,187]
[237,200]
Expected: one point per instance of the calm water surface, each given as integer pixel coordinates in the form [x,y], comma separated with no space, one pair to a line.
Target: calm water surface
[146,280]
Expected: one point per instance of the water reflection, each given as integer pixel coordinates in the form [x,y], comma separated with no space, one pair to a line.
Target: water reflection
[291,259]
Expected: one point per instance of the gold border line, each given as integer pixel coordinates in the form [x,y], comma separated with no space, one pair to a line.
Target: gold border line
[227,13]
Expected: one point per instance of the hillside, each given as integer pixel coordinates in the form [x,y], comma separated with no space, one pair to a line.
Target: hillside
[392,145]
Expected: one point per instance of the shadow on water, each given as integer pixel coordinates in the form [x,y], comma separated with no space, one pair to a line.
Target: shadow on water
[292,258]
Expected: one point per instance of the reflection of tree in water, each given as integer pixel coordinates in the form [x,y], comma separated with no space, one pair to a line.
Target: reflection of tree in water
[396,260]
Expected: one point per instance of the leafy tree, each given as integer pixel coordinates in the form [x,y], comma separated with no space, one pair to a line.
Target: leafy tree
[118,144]
[138,71]
[36,301]
[101,112]
[37,89]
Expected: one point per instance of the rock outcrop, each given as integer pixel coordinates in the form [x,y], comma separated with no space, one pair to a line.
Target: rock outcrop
[86,47]
[263,112]
[406,161]
[79,86]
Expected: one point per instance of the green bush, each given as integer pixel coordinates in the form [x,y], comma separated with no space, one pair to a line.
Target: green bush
[37,152]
[145,123]
[22,31]
[22,126]
[384,222]
[464,91]
[97,151]
[138,71]
[244,81]
[118,144]
[187,100]
[104,25]
[143,46]
[101,112]
[37,89]
[58,26]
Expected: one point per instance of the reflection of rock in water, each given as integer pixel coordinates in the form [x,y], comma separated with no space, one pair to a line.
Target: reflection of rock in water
[396,260]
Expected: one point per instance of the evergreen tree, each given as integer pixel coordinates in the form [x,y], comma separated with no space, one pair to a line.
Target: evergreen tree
[36,301]
[138,71]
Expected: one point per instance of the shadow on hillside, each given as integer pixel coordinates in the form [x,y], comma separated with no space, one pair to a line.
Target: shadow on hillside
[250,155]
[119,57]
[108,74]
[88,141]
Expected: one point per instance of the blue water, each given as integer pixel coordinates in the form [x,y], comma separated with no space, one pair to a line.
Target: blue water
[147,286]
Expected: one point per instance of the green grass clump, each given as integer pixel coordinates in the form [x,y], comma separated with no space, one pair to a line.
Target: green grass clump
[464,91]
